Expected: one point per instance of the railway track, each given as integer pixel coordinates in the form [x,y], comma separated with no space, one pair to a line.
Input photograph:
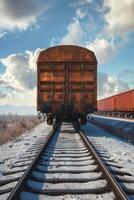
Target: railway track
[69,167]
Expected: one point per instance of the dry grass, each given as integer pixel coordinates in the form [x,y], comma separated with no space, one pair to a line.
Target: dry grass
[12,126]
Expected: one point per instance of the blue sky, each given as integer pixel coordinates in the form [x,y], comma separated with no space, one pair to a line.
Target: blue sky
[105,27]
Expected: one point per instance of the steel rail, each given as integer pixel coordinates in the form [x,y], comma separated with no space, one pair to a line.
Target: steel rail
[21,183]
[112,183]
[118,191]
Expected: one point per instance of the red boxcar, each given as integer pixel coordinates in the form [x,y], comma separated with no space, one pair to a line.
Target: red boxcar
[107,104]
[122,103]
[125,101]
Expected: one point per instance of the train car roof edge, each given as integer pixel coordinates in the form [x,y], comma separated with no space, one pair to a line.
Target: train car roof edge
[46,56]
[115,95]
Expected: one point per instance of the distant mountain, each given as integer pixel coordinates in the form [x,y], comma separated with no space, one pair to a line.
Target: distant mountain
[20,110]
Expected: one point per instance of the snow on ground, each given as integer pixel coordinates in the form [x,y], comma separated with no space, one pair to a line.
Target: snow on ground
[105,196]
[115,118]
[118,149]
[11,151]
[125,124]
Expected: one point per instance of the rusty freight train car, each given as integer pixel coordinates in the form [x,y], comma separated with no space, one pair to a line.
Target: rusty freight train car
[66,83]
[120,104]
[106,104]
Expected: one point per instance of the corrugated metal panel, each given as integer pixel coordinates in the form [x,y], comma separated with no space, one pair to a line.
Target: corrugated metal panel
[67,83]
[125,101]
[120,102]
[107,104]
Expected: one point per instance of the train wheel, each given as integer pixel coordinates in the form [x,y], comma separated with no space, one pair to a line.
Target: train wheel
[56,120]
[50,119]
[77,121]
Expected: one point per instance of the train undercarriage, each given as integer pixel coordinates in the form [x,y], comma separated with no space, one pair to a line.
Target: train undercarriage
[120,114]
[69,117]
[54,118]
[67,113]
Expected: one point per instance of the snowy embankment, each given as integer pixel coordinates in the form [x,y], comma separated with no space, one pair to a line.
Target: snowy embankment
[122,128]
[118,149]
[11,151]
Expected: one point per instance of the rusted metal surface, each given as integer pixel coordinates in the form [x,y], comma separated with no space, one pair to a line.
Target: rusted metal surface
[125,101]
[120,102]
[106,104]
[67,75]
[66,53]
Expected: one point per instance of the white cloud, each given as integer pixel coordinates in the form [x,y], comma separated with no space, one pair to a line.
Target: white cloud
[54,41]
[32,57]
[74,34]
[21,69]
[77,3]
[3,95]
[26,97]
[128,76]
[18,72]
[19,79]
[119,17]
[109,85]
[103,49]
[119,21]
[2,34]
[19,15]
[80,13]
